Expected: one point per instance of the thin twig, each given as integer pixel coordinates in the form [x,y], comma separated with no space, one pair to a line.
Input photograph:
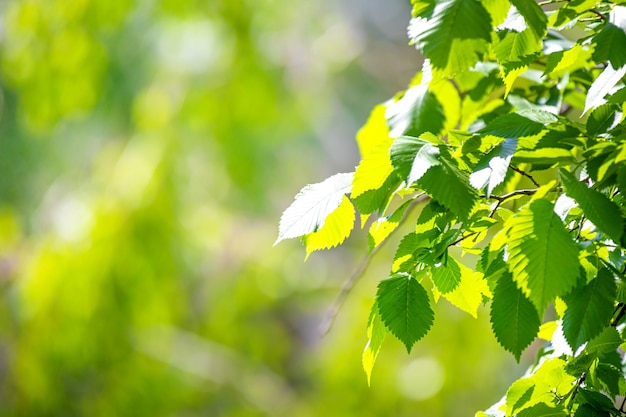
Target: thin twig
[331,313]
[503,197]
[462,238]
[527,175]
[597,13]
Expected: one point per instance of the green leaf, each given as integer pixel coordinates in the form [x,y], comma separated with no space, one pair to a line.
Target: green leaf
[492,168]
[598,208]
[384,226]
[417,112]
[610,46]
[542,255]
[543,410]
[312,205]
[450,187]
[533,15]
[404,307]
[571,59]
[377,200]
[589,309]
[454,35]
[413,248]
[608,341]
[376,333]
[512,125]
[336,228]
[515,50]
[543,156]
[514,319]
[446,277]
[412,157]
[470,292]
[602,119]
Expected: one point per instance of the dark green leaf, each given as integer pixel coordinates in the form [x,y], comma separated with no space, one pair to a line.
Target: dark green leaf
[607,341]
[533,15]
[450,187]
[418,111]
[598,208]
[404,308]
[610,46]
[454,35]
[514,319]
[446,276]
[589,309]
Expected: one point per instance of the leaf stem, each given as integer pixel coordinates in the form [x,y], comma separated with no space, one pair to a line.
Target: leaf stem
[506,196]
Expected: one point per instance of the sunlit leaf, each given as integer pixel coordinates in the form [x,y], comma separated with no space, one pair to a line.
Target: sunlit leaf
[312,205]
[376,333]
[336,228]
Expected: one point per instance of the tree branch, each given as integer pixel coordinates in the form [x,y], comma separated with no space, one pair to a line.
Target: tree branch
[333,310]
[525,174]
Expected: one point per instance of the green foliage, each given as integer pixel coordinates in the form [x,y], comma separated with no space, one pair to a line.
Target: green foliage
[531,178]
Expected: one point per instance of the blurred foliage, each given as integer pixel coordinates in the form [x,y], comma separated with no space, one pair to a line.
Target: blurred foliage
[148,149]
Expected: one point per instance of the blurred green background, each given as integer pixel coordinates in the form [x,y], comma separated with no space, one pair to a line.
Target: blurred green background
[147,149]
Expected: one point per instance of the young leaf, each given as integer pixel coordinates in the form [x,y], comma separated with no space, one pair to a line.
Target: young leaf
[514,319]
[312,205]
[450,187]
[417,112]
[515,50]
[598,208]
[453,35]
[446,277]
[589,309]
[542,256]
[376,333]
[336,228]
[404,307]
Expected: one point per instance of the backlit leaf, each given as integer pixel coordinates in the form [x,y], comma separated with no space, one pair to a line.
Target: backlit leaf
[446,277]
[376,333]
[312,205]
[543,258]
[336,228]
[470,292]
[418,111]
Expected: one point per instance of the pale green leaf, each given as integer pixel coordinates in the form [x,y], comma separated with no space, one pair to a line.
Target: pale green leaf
[543,156]
[312,205]
[376,333]
[514,319]
[336,228]
[470,292]
[543,410]
[602,85]
[373,170]
[543,258]
[404,307]
[417,112]
[384,226]
[598,208]
[589,309]
[568,60]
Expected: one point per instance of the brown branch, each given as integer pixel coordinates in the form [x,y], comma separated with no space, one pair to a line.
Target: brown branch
[525,174]
[333,310]
[501,198]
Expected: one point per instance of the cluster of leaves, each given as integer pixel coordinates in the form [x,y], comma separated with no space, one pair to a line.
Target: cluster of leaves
[511,144]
